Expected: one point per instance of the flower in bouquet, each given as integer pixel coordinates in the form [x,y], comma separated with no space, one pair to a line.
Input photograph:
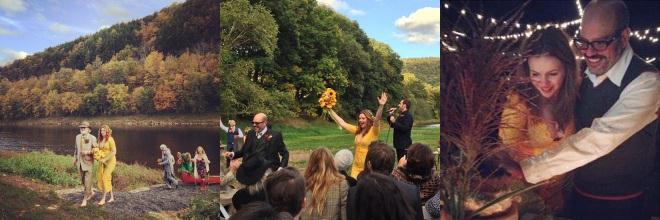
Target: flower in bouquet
[98,154]
[328,99]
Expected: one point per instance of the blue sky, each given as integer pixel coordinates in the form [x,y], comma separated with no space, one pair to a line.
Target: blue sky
[410,27]
[31,26]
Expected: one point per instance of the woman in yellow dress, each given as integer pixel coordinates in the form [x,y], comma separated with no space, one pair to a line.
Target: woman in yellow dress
[366,132]
[107,164]
[539,114]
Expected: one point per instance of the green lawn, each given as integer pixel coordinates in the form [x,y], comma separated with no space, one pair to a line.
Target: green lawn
[326,134]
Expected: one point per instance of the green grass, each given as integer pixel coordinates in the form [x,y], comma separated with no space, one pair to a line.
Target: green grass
[312,135]
[21,203]
[59,170]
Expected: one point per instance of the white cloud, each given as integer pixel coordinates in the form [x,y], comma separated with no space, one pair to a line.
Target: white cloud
[59,28]
[7,56]
[334,4]
[12,6]
[4,31]
[40,17]
[356,12]
[340,5]
[422,26]
[116,12]
[10,22]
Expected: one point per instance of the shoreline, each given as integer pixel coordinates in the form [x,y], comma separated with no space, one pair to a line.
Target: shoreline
[207,120]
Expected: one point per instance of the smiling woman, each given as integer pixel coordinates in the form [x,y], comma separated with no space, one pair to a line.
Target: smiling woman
[539,113]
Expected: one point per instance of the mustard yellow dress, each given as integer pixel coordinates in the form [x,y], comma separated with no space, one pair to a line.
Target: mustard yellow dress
[527,135]
[361,146]
[104,171]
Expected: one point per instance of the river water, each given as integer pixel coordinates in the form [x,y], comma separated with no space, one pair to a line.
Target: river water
[134,145]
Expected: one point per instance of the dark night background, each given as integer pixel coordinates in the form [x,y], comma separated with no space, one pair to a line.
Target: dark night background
[643,15]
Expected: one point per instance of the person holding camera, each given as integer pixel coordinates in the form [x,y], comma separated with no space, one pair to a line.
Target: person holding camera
[402,125]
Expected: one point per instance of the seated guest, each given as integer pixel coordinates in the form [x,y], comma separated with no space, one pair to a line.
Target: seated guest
[327,189]
[377,196]
[285,191]
[230,176]
[187,164]
[252,173]
[417,168]
[380,159]
[260,210]
[343,161]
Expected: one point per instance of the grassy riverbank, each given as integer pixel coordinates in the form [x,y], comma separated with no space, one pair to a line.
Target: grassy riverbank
[59,170]
[23,203]
[198,120]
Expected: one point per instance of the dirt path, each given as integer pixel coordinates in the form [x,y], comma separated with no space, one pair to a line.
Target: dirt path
[154,199]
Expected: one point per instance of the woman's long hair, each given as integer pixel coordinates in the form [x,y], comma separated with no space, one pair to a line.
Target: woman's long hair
[370,121]
[552,42]
[100,136]
[320,175]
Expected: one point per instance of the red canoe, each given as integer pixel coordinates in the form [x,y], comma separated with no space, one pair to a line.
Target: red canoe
[187,178]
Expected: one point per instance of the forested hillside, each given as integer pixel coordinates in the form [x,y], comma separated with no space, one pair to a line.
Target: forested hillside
[278,56]
[427,68]
[163,63]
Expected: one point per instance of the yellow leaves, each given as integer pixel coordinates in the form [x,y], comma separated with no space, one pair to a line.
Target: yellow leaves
[328,99]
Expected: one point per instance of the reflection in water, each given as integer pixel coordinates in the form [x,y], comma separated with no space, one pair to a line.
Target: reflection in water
[134,145]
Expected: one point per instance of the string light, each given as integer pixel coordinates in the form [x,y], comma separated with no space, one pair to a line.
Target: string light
[642,35]
[450,48]
[579,8]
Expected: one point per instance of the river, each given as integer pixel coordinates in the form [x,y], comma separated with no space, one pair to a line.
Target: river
[134,145]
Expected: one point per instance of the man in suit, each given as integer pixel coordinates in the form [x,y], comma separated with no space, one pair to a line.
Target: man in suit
[262,140]
[380,159]
[84,161]
[402,126]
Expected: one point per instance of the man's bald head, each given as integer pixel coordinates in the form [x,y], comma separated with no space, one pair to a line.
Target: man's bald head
[604,21]
[259,122]
[612,14]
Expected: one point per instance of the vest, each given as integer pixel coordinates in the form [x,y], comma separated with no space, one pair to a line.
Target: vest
[231,144]
[624,170]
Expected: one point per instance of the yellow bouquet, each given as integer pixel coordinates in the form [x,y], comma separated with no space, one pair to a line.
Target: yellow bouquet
[98,154]
[328,99]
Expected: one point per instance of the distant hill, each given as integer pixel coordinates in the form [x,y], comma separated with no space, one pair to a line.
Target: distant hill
[166,62]
[426,69]
[193,25]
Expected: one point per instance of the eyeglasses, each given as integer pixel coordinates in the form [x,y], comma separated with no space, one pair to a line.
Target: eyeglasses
[83,128]
[597,45]
[257,122]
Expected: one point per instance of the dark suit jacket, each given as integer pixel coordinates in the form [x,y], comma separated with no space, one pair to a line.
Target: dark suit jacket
[402,127]
[270,146]
[410,193]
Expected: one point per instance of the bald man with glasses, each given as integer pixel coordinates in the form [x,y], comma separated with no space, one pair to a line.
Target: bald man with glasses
[264,141]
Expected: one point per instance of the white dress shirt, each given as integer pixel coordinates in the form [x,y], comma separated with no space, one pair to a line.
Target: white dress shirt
[635,108]
[260,134]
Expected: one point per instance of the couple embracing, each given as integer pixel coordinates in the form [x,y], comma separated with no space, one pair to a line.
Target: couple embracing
[602,128]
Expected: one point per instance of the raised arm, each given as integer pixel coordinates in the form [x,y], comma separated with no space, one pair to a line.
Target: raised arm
[381,102]
[222,126]
[340,121]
